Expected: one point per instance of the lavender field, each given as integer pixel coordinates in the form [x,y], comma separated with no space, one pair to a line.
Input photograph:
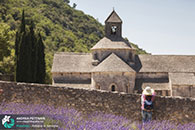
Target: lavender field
[70,119]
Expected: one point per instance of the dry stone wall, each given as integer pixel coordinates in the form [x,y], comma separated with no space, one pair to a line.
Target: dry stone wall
[87,101]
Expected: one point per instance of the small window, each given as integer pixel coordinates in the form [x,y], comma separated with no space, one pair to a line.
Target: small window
[98,87]
[158,92]
[113,88]
[95,56]
[127,89]
[130,56]
[113,29]
[167,93]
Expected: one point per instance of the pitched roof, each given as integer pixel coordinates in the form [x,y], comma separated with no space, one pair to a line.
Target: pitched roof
[112,64]
[109,43]
[113,17]
[166,63]
[182,78]
[72,62]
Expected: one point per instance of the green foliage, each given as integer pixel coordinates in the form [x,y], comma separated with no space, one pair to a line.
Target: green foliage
[30,57]
[6,43]
[74,5]
[6,49]
[138,50]
[40,65]
[62,27]
[7,65]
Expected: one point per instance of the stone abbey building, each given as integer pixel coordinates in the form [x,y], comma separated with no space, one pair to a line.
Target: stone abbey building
[114,66]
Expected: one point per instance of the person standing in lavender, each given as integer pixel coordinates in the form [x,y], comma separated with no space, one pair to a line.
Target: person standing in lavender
[147,99]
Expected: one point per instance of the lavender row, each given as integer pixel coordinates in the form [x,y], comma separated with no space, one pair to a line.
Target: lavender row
[70,119]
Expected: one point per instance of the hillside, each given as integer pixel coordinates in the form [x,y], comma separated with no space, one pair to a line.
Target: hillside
[62,27]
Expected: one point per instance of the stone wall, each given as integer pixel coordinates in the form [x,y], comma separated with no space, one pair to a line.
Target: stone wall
[74,78]
[183,90]
[128,105]
[6,77]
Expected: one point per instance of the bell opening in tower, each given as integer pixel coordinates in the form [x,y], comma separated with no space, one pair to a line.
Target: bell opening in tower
[113,29]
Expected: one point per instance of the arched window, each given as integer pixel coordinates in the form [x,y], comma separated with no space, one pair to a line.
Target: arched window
[127,89]
[130,55]
[98,87]
[113,88]
[95,56]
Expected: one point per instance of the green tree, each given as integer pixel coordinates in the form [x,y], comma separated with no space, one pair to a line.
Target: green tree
[23,23]
[5,40]
[74,5]
[7,65]
[41,73]
[6,49]
[30,58]
[20,52]
[33,58]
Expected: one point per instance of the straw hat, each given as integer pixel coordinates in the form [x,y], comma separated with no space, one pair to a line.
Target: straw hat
[148,91]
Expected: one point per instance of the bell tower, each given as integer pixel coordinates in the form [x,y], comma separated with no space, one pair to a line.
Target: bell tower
[113,26]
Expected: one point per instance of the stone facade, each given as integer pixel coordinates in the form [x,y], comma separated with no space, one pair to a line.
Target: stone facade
[88,101]
[75,78]
[183,90]
[121,82]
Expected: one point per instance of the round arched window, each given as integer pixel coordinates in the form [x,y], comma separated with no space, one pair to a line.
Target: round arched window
[98,87]
[113,88]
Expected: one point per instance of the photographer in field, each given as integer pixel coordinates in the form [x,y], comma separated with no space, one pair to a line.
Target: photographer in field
[147,99]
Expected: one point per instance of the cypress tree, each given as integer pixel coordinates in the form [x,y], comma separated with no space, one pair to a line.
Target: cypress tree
[16,54]
[23,24]
[18,45]
[33,40]
[22,66]
[40,61]
[30,57]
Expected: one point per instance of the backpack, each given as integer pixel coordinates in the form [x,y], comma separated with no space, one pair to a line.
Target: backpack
[148,105]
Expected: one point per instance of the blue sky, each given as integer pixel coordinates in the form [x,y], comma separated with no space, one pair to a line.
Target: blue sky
[158,26]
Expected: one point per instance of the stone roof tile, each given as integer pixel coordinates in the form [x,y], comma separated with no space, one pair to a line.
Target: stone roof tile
[113,64]
[113,17]
[109,43]
[166,63]
[72,62]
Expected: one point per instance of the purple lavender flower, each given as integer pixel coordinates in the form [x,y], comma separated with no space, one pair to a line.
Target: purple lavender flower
[70,119]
